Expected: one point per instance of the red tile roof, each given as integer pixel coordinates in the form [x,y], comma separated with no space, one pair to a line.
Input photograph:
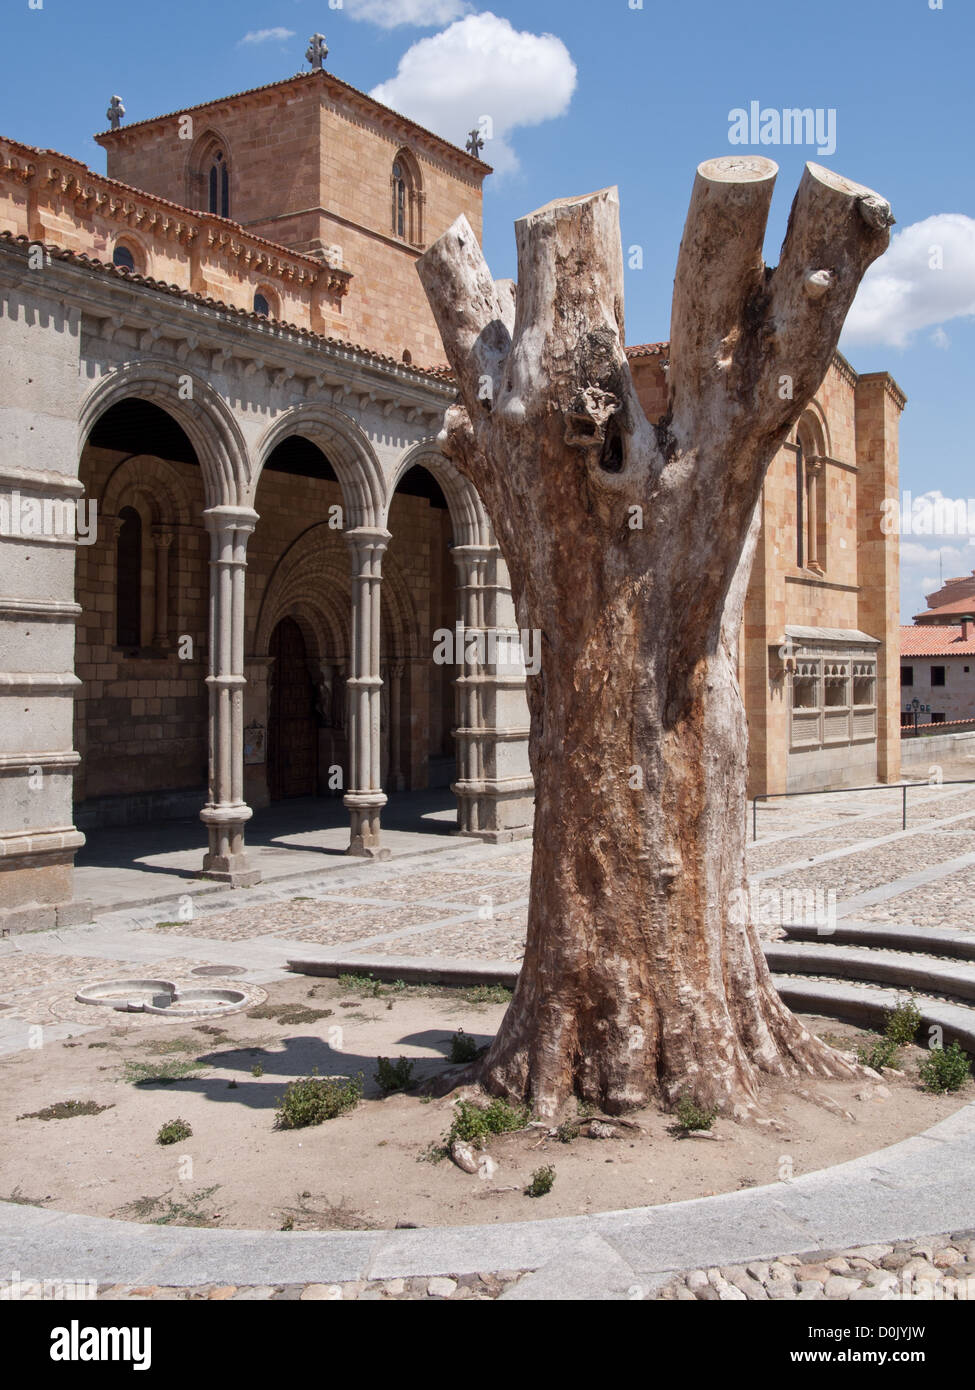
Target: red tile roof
[936,641]
[959,605]
[647,350]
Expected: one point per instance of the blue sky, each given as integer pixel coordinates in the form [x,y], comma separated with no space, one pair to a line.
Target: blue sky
[631,96]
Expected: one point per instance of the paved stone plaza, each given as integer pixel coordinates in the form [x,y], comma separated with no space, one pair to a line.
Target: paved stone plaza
[445,898]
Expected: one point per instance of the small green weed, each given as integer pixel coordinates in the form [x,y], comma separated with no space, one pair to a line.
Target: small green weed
[879,1054]
[944,1069]
[314,1099]
[174,1132]
[902,1023]
[160,1073]
[690,1115]
[543,1180]
[463,1048]
[66,1110]
[289,1014]
[473,1123]
[393,1076]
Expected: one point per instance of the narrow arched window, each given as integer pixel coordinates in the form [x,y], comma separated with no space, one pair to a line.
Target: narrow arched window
[399,199]
[128,579]
[261,306]
[219,185]
[123,258]
[800,506]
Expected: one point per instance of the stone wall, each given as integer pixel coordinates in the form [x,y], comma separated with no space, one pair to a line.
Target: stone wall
[847,580]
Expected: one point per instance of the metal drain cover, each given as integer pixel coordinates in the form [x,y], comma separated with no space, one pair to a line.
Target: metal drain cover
[219,970]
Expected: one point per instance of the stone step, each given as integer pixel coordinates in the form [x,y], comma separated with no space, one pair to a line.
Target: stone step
[868,1005]
[910,972]
[935,941]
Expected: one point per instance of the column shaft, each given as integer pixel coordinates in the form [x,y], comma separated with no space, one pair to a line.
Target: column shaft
[226,813]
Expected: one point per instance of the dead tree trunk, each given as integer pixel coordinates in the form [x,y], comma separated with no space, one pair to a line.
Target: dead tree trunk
[630,547]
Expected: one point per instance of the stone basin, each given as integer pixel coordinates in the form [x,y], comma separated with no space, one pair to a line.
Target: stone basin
[160,997]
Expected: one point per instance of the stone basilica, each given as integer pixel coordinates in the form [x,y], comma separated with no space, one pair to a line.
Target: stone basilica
[228,537]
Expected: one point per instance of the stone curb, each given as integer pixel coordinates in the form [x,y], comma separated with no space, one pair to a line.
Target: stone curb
[931,941]
[901,968]
[922,1184]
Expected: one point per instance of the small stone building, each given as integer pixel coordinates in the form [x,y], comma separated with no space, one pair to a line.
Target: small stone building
[228,536]
[938,657]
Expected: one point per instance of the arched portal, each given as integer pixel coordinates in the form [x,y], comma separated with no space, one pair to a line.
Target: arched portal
[293,720]
[298,574]
[142,586]
[419,715]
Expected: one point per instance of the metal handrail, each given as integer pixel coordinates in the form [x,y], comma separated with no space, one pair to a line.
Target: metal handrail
[877,787]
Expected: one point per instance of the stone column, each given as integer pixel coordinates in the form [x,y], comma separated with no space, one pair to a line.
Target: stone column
[226,813]
[396,673]
[162,539]
[814,468]
[365,797]
[494,785]
[258,673]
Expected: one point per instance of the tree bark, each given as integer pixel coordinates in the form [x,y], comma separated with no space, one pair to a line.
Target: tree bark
[630,547]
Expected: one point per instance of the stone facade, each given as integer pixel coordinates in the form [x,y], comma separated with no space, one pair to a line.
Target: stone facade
[818,660]
[240,374]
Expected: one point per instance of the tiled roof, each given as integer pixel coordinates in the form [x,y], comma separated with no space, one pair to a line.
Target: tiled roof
[959,605]
[285,82]
[647,350]
[936,641]
[207,218]
[92,263]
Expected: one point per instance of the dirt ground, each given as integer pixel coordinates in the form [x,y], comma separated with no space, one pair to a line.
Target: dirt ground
[372,1167]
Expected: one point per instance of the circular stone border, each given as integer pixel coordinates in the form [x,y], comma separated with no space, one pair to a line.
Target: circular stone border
[859,1202]
[231,998]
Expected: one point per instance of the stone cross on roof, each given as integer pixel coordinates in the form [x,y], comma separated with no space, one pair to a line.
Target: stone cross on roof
[475,143]
[115,112]
[317,51]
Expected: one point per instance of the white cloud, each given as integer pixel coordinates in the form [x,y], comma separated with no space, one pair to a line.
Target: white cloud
[921,568]
[482,72]
[925,279]
[268,35]
[389,14]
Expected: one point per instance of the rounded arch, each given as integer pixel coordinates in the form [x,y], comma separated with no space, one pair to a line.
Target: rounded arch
[264,292]
[139,256]
[311,583]
[347,449]
[812,430]
[200,162]
[406,186]
[468,517]
[154,479]
[206,419]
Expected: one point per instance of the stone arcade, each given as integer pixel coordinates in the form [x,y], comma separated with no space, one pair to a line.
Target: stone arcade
[222,353]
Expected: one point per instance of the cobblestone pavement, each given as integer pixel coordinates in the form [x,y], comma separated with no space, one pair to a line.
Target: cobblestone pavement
[935,1268]
[454,1287]
[473,904]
